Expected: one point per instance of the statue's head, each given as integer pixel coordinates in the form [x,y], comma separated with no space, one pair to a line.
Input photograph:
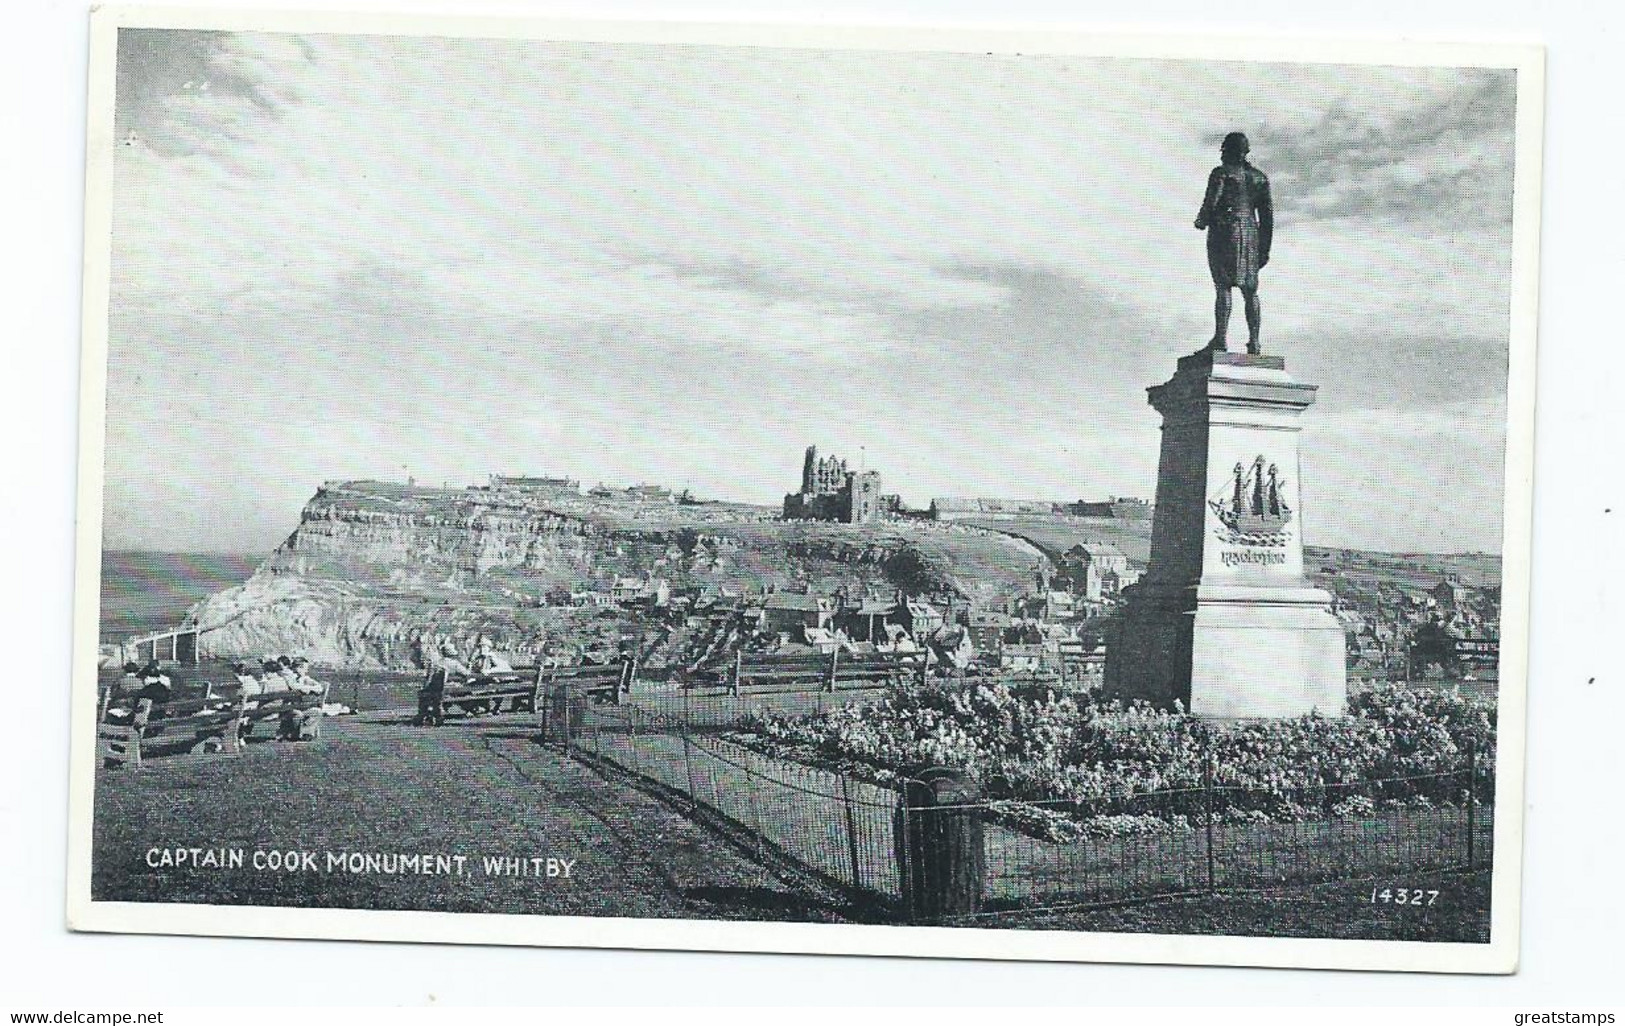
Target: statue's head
[1234,148]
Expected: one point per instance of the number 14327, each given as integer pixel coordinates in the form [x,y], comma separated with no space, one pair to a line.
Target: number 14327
[1403,896]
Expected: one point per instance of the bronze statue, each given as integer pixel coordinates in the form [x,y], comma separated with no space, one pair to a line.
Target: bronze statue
[1240,223]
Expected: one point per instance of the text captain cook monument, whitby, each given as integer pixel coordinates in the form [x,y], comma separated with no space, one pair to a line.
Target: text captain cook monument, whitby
[1224,621]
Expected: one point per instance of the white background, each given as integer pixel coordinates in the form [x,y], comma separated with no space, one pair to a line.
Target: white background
[1573,910]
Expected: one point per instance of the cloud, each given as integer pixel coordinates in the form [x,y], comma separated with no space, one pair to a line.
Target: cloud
[1445,159]
[380,256]
[181,93]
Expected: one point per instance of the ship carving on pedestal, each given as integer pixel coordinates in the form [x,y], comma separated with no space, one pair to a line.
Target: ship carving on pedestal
[1253,510]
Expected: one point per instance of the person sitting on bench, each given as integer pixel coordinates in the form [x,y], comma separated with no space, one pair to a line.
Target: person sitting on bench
[487,663]
[248,686]
[296,724]
[303,681]
[155,684]
[125,694]
[246,680]
[290,676]
[449,662]
[271,680]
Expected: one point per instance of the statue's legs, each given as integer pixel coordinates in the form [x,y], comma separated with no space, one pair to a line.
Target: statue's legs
[1255,317]
[1221,316]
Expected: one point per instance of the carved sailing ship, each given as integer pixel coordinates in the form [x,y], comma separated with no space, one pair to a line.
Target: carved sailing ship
[1255,512]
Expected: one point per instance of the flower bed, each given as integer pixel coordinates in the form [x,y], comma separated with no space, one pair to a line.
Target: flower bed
[1051,759]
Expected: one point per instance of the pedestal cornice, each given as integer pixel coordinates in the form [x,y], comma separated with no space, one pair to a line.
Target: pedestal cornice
[1230,379]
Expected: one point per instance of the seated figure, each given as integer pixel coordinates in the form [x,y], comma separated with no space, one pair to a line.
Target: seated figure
[155,684]
[271,679]
[487,662]
[303,681]
[246,681]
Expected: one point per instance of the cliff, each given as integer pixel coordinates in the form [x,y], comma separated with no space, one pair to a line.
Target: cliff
[372,567]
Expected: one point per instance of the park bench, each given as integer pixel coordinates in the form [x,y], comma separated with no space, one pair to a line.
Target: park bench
[296,713]
[761,673]
[601,683]
[487,693]
[566,692]
[521,690]
[131,728]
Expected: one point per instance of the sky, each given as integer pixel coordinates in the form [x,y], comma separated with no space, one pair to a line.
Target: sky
[360,256]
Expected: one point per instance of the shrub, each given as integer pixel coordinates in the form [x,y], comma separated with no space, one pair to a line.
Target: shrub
[1105,761]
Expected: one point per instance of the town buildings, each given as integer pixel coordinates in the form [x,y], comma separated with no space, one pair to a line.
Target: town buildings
[954,508]
[1116,507]
[793,612]
[1095,570]
[551,486]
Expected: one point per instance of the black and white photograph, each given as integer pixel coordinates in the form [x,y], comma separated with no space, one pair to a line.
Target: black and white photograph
[924,492]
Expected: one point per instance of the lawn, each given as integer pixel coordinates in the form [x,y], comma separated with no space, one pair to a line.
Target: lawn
[840,830]
[373,785]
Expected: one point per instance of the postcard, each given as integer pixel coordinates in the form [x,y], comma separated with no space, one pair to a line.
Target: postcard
[934,492]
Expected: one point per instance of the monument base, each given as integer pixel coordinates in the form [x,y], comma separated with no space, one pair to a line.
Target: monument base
[1231,652]
[1224,622]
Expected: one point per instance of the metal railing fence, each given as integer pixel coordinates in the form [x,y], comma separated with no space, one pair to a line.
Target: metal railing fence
[851,833]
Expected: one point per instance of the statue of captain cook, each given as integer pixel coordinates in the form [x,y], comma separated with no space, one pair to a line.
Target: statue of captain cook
[1240,222]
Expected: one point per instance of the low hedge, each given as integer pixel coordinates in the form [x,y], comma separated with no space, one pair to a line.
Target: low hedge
[1077,758]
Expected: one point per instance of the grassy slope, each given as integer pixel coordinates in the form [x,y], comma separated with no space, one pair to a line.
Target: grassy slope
[1054,535]
[377,786]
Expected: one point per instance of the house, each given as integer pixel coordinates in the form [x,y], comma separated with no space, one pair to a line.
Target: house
[653,592]
[858,648]
[919,617]
[952,647]
[897,640]
[788,612]
[1021,658]
[1094,570]
[752,611]
[551,486]
[986,629]
[650,493]
[1050,605]
[1450,593]
[867,618]
[823,639]
[1112,582]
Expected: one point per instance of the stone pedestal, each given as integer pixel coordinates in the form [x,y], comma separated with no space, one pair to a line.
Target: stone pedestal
[1223,620]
